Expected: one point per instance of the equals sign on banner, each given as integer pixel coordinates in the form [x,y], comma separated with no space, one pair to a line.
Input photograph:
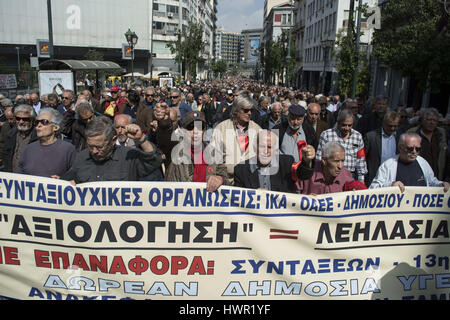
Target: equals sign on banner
[283,234]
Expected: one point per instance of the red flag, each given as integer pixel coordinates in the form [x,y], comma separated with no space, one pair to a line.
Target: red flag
[300,144]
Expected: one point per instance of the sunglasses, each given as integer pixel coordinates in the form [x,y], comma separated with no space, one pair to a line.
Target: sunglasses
[174,97]
[245,110]
[191,127]
[65,98]
[149,95]
[23,119]
[44,122]
[411,149]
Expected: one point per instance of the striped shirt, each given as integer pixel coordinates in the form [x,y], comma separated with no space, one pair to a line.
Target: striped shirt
[353,146]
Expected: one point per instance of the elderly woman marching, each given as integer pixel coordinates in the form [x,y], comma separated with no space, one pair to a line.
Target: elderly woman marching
[49,156]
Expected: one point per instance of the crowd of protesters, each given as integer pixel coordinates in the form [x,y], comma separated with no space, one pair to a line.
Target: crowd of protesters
[236,131]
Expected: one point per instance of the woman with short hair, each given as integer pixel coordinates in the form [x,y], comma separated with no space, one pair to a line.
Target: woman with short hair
[49,156]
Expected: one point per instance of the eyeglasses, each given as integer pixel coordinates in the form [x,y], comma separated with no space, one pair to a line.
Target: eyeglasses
[411,149]
[23,119]
[174,97]
[44,122]
[149,95]
[246,110]
[191,127]
[65,98]
[99,148]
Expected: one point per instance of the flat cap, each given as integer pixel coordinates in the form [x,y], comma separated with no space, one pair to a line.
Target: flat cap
[191,117]
[297,110]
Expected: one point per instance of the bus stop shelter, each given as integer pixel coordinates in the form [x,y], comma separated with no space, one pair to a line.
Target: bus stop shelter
[79,65]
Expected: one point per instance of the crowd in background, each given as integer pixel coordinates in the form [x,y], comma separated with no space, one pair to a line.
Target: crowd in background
[322,143]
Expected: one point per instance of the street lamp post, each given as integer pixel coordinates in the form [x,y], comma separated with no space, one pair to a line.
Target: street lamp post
[18,58]
[326,45]
[178,35]
[50,28]
[132,40]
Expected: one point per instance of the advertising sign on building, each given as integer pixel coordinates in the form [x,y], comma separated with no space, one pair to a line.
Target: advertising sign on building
[43,48]
[127,52]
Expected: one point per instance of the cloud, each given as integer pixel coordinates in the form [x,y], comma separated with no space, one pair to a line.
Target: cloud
[236,15]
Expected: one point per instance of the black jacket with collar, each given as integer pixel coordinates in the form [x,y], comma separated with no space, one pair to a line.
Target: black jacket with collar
[281,181]
[10,146]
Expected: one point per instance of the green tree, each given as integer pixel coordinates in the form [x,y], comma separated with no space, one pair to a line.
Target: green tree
[188,52]
[345,55]
[414,39]
[348,60]
[274,58]
[219,67]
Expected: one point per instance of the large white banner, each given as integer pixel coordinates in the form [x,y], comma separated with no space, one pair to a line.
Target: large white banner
[142,240]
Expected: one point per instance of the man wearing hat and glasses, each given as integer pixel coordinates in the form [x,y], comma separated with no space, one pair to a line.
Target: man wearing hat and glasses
[190,160]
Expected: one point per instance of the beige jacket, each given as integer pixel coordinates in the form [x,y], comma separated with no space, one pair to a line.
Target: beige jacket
[225,142]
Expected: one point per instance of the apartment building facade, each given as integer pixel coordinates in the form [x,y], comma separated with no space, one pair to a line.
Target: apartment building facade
[171,22]
[228,47]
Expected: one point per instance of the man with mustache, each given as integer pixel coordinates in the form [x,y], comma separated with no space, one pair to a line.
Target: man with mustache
[19,137]
[294,131]
[407,168]
[351,140]
[330,175]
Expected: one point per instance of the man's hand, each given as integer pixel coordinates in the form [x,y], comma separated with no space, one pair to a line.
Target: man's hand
[134,132]
[446,186]
[154,125]
[161,112]
[308,154]
[399,184]
[213,183]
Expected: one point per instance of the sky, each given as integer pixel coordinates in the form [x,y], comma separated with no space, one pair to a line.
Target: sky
[236,15]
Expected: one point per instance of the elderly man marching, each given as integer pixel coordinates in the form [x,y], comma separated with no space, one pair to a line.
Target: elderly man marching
[234,139]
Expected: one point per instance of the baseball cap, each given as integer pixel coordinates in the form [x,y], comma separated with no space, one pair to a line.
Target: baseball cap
[297,110]
[230,92]
[191,117]
[114,89]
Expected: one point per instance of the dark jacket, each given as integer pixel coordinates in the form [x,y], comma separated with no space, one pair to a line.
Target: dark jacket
[10,146]
[144,116]
[74,130]
[368,122]
[209,110]
[266,119]
[372,147]
[125,164]
[280,181]
[321,127]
